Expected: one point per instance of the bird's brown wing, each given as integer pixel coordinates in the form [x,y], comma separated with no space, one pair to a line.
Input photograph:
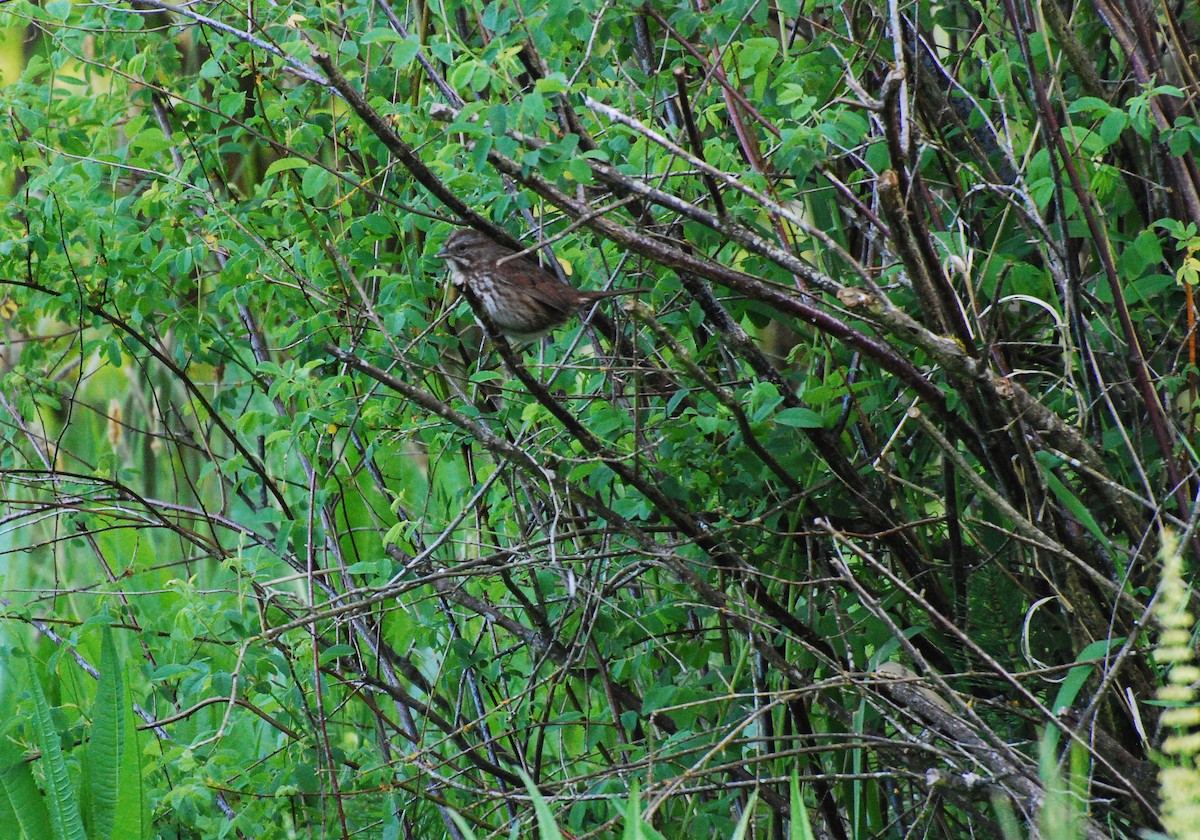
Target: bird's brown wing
[542,285]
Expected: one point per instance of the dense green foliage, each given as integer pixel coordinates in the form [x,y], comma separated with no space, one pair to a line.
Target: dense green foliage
[855,514]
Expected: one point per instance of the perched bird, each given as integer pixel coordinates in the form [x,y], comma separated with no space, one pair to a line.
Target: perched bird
[522,298]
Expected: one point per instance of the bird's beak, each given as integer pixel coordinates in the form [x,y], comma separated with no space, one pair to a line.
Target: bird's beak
[442,254]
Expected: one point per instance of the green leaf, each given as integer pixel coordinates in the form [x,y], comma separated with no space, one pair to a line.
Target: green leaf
[105,741]
[1069,500]
[800,418]
[1090,103]
[61,799]
[463,826]
[284,164]
[533,106]
[22,794]
[335,652]
[370,567]
[801,828]
[314,181]
[1077,676]
[59,9]
[480,152]
[554,83]
[743,825]
[1179,142]
[633,816]
[169,672]
[232,103]
[380,35]
[404,53]
[1112,126]
[547,828]
[658,697]
[405,50]
[132,816]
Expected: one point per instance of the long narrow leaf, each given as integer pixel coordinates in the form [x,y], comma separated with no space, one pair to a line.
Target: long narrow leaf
[102,756]
[800,829]
[547,827]
[131,819]
[61,800]
[743,825]
[20,792]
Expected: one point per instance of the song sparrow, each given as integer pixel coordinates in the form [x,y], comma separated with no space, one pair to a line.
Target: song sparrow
[524,299]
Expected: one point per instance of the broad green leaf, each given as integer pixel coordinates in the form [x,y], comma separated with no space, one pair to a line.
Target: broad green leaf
[285,164]
[800,418]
